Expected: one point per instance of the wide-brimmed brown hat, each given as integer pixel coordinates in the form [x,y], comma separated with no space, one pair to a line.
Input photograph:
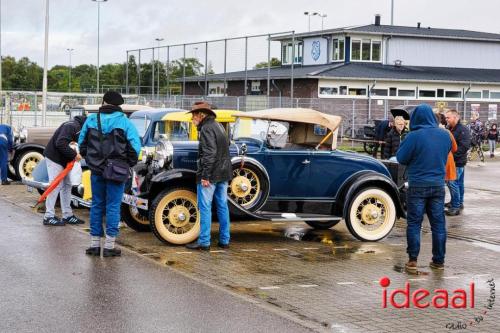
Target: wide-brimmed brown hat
[202,106]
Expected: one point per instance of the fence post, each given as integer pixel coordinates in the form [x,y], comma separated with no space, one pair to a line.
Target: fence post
[245,88]
[184,70]
[36,109]
[206,68]
[238,103]
[292,67]
[139,74]
[352,124]
[126,76]
[225,67]
[268,67]
[168,71]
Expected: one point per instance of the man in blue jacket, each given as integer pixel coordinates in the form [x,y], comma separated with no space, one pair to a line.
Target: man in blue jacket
[106,137]
[424,151]
[6,143]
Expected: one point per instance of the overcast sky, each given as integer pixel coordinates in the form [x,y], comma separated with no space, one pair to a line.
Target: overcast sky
[131,24]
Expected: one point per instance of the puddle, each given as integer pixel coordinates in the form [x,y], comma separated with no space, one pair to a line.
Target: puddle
[402,269]
[488,246]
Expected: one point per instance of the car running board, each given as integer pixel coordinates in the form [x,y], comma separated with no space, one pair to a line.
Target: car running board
[284,217]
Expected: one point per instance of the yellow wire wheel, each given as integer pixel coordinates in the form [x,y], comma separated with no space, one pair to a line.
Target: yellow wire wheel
[27,163]
[137,216]
[371,215]
[245,187]
[175,217]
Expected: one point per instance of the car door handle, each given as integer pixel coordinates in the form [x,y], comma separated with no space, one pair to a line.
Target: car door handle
[306,161]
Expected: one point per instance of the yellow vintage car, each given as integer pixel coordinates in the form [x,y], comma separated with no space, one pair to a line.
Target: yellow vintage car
[176,126]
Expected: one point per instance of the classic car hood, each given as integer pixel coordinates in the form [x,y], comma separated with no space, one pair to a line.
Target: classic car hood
[367,162]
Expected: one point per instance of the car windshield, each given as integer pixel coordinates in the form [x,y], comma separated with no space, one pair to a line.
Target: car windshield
[179,131]
[250,128]
[141,124]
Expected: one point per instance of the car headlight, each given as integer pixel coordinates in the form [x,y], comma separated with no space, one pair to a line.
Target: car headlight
[163,154]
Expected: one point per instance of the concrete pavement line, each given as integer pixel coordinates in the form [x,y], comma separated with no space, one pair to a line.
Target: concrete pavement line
[346,283]
[150,254]
[341,247]
[311,248]
[282,249]
[396,244]
[307,285]
[250,250]
[217,251]
[418,279]
[313,326]
[451,277]
[183,252]
[269,288]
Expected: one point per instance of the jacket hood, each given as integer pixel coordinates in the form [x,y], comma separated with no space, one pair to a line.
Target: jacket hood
[80,120]
[422,117]
[110,108]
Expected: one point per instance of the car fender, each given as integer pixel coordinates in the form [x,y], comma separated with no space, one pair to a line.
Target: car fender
[22,147]
[172,177]
[245,159]
[364,179]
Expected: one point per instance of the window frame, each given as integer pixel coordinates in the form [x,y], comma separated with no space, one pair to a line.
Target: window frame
[299,53]
[362,41]
[341,50]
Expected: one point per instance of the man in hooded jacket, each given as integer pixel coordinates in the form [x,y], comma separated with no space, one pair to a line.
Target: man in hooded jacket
[425,151]
[58,154]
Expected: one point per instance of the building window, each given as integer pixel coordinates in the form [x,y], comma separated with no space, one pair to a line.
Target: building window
[357,91]
[338,49]
[216,89]
[393,91]
[286,53]
[366,50]
[495,95]
[328,91]
[427,93]
[255,86]
[486,94]
[379,92]
[376,46]
[356,50]
[343,90]
[453,94]
[406,93]
[473,94]
[440,93]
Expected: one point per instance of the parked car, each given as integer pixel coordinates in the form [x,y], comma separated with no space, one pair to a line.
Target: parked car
[281,158]
[29,153]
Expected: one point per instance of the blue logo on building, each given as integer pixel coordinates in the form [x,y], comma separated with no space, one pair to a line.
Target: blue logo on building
[316,50]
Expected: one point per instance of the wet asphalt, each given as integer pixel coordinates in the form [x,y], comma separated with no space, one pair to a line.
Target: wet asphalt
[48,284]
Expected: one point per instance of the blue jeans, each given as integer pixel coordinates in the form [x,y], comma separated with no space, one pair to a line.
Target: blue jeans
[4,159]
[205,198]
[430,201]
[456,188]
[106,201]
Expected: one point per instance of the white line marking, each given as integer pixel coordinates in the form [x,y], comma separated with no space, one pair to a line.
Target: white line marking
[183,252]
[481,275]
[396,244]
[217,251]
[451,277]
[250,250]
[420,279]
[284,249]
[341,247]
[269,288]
[346,283]
[150,254]
[308,285]
[311,248]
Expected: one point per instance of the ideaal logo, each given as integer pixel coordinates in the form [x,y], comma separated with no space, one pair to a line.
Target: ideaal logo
[440,298]
[422,298]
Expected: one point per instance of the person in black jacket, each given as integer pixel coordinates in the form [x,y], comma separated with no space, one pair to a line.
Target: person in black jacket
[492,137]
[381,130]
[394,137]
[463,139]
[58,154]
[214,172]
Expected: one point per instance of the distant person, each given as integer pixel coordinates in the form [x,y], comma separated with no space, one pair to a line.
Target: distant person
[394,137]
[58,154]
[212,177]
[110,144]
[381,130]
[6,146]
[463,139]
[424,151]
[492,137]
[451,172]
[476,128]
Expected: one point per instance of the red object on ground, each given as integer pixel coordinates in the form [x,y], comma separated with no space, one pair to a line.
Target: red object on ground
[56,182]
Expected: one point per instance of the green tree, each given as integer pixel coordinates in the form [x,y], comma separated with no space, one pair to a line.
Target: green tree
[275,62]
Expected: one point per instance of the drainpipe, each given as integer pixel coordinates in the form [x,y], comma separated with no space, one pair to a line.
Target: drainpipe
[465,100]
[370,100]
[279,91]
[201,88]
[386,50]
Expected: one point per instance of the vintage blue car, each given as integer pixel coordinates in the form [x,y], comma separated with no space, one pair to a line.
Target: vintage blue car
[285,168]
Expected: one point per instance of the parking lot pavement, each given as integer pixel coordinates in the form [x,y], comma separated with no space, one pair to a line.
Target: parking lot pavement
[330,280]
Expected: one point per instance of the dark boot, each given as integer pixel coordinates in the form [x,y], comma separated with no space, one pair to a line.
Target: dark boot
[453,212]
[196,246]
[93,251]
[5,182]
[115,252]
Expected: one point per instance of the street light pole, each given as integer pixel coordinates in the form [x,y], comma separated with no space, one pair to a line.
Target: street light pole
[98,35]
[45,65]
[158,70]
[322,18]
[309,14]
[69,69]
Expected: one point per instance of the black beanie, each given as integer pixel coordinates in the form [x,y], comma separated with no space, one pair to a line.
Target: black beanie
[113,98]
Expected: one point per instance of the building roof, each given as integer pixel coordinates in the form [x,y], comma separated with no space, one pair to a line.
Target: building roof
[365,71]
[394,30]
